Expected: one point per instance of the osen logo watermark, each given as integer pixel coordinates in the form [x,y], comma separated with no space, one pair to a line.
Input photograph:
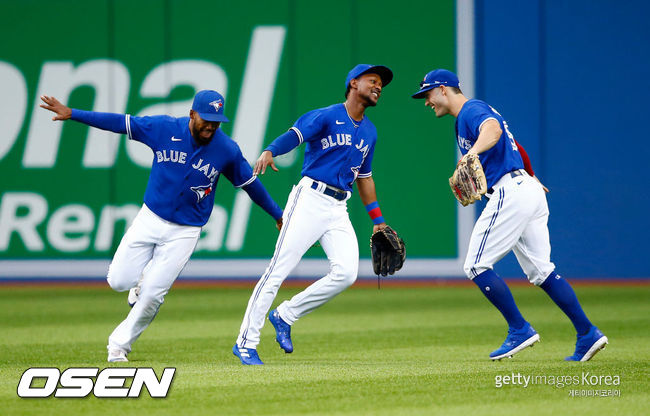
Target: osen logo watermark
[80,382]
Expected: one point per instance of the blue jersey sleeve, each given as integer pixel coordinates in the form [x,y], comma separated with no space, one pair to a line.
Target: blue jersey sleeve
[476,116]
[144,129]
[258,193]
[309,126]
[366,167]
[239,171]
[105,121]
[365,171]
[284,143]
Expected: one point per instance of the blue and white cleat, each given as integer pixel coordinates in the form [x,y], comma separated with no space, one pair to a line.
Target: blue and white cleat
[134,295]
[588,345]
[248,356]
[282,331]
[517,340]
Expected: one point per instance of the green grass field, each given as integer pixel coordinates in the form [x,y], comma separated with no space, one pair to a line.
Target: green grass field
[396,351]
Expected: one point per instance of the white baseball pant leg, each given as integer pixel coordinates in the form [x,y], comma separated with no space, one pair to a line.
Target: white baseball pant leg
[169,247]
[309,216]
[340,245]
[515,218]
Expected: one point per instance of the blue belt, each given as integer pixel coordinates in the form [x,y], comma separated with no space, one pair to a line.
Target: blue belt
[329,191]
[513,174]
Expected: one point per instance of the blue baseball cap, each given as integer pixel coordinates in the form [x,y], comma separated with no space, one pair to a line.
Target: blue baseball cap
[436,78]
[384,73]
[209,104]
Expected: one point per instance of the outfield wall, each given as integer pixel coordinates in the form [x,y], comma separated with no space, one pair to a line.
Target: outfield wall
[571,77]
[68,192]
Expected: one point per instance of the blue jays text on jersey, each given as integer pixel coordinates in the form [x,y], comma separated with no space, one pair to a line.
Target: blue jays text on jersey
[184,174]
[503,157]
[338,149]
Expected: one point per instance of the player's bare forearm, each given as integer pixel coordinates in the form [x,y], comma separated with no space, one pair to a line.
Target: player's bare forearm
[265,159]
[62,112]
[367,190]
[368,194]
[487,138]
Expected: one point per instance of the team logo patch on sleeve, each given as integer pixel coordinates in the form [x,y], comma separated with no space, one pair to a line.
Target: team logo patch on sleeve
[202,191]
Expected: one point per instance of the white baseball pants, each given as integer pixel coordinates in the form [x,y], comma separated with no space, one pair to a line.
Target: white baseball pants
[309,216]
[168,246]
[515,218]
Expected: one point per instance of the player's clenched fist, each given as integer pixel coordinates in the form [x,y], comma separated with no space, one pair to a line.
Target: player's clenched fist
[265,159]
[62,112]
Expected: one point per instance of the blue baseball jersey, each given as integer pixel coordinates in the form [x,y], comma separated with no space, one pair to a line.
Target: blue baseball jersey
[338,150]
[503,157]
[184,175]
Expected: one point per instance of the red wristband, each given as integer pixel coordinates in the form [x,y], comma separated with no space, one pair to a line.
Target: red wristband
[375,212]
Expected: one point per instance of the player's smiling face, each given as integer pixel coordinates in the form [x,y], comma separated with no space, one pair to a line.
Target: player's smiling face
[202,130]
[369,88]
[438,102]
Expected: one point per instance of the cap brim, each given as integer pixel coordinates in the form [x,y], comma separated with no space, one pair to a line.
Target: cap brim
[214,117]
[423,91]
[384,73]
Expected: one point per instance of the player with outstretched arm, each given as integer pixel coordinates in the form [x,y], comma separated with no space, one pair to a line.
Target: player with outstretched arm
[514,219]
[339,146]
[190,153]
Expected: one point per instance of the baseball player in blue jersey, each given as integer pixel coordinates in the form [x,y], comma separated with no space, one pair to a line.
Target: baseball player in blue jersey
[515,218]
[190,153]
[339,146]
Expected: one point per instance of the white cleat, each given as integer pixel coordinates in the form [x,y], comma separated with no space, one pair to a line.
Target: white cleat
[134,295]
[116,355]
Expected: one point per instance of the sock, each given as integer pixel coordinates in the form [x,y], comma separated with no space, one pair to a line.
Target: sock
[563,295]
[497,292]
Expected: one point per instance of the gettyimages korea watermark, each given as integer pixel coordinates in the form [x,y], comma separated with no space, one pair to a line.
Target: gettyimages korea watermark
[585,384]
[82,381]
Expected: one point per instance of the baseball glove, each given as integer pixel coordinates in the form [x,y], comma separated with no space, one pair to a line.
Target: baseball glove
[468,182]
[388,251]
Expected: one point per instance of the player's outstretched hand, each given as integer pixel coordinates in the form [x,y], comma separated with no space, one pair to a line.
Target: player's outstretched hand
[378,227]
[278,224]
[62,112]
[265,159]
